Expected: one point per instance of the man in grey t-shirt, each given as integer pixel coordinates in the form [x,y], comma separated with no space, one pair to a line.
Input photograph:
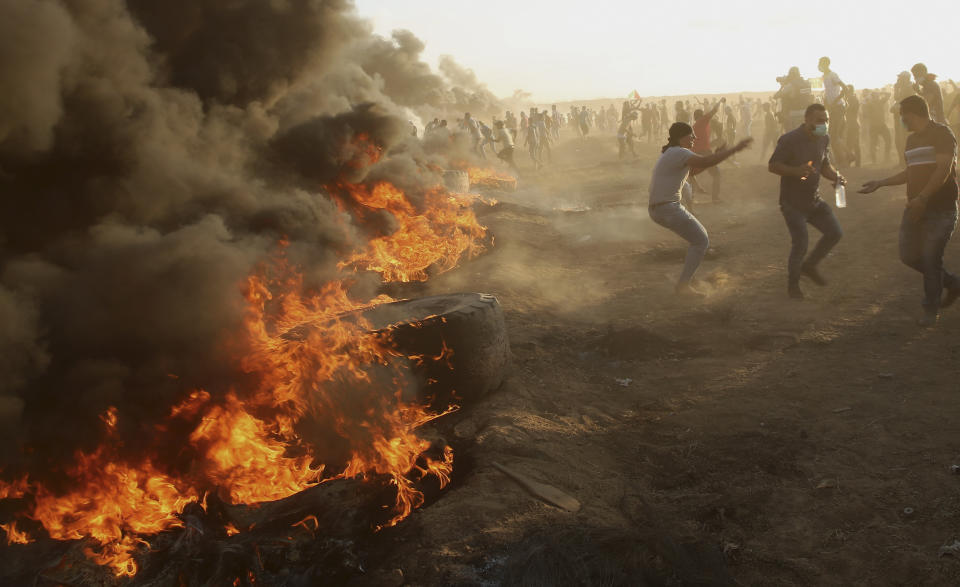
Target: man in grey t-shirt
[669,175]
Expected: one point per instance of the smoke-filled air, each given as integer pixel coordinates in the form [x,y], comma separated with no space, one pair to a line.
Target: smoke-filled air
[304,292]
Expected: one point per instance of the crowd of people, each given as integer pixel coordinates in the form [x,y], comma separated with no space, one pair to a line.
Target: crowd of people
[815,137]
[864,118]
[813,126]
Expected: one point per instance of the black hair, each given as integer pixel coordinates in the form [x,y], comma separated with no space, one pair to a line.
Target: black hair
[678,130]
[815,107]
[915,105]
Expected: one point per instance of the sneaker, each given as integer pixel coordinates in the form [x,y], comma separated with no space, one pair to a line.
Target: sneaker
[929,319]
[951,296]
[794,292]
[811,272]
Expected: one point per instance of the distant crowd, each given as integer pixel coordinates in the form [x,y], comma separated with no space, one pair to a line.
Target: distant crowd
[858,118]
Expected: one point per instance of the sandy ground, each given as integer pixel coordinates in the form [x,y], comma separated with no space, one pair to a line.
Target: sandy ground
[788,436]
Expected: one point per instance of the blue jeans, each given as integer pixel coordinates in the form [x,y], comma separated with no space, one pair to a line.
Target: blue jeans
[821,217]
[675,217]
[921,247]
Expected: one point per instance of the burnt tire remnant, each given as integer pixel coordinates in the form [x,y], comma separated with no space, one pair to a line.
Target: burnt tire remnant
[458,343]
[456,181]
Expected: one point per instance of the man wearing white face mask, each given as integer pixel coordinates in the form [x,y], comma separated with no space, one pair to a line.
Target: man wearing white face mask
[801,157]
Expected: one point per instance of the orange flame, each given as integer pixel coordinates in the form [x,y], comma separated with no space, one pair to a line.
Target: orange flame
[488,177]
[247,443]
[242,456]
[440,236]
[14,489]
[15,536]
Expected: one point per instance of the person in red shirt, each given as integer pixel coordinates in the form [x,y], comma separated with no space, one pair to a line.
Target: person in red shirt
[701,146]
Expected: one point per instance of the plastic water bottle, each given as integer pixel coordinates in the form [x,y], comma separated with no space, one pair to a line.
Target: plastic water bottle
[841,194]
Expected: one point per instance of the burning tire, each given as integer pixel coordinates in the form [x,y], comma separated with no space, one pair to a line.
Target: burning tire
[458,343]
[456,181]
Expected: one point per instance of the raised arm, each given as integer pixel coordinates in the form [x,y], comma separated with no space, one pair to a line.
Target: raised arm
[709,115]
[705,161]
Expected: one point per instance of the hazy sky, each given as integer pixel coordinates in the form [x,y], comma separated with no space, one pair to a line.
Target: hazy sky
[606,48]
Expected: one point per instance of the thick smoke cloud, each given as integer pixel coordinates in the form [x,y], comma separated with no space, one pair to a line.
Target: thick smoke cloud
[242,51]
[151,155]
[35,46]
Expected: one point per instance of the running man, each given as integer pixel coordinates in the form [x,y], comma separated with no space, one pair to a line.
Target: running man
[502,135]
[926,85]
[931,214]
[833,96]
[625,136]
[666,186]
[801,157]
[532,142]
[473,129]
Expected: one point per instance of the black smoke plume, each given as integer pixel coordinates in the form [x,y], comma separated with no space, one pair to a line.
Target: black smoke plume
[151,155]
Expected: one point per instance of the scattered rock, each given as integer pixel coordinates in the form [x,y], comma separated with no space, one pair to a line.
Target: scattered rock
[951,549]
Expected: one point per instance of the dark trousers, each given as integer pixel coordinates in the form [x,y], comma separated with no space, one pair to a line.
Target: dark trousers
[921,247]
[821,217]
[506,155]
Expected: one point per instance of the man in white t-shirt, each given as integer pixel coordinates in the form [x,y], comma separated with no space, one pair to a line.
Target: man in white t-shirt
[833,97]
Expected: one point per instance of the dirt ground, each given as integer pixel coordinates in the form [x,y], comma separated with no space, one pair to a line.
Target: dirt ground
[787,437]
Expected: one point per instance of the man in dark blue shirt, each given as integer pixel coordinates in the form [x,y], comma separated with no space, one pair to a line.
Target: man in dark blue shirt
[801,157]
